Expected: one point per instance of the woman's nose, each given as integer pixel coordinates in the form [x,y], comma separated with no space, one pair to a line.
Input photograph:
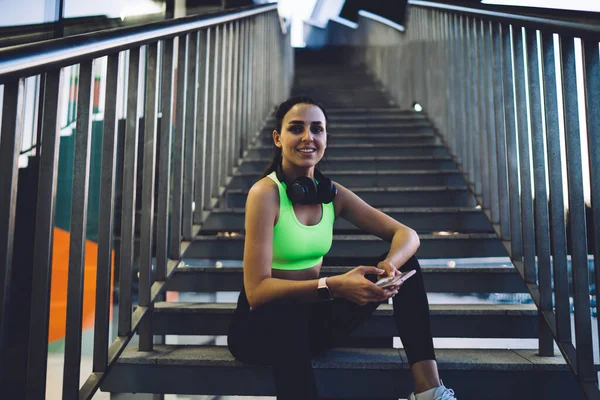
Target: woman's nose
[307,137]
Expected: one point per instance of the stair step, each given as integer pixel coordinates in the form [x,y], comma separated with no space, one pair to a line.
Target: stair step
[361,249]
[345,111]
[360,117]
[371,178]
[447,320]
[266,138]
[364,163]
[432,196]
[437,279]
[380,149]
[423,220]
[349,373]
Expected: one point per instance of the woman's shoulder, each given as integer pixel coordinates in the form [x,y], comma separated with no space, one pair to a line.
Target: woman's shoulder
[264,191]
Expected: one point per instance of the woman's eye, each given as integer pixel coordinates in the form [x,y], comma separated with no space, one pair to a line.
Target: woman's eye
[296,129]
[316,129]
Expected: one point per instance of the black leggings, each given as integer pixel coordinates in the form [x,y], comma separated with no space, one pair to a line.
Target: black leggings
[286,334]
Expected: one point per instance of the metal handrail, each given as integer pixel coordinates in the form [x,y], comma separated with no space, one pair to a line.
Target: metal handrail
[208,84]
[32,58]
[488,80]
[559,26]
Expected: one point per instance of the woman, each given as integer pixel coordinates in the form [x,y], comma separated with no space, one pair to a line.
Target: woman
[283,317]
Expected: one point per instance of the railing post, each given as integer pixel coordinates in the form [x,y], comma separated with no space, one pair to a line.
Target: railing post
[189,139]
[77,244]
[42,250]
[106,216]
[201,131]
[164,161]
[524,147]
[541,231]
[555,181]
[511,146]
[592,95]
[581,289]
[148,181]
[500,123]
[130,148]
[178,140]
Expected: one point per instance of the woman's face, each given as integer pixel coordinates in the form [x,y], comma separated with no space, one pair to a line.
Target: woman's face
[303,136]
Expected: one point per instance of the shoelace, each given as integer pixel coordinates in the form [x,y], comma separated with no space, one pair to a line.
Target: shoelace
[448,395]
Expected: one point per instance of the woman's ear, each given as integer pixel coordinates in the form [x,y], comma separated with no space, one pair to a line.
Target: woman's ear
[276,138]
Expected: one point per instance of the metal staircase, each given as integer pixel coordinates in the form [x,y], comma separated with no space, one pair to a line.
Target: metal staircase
[182,113]
[394,159]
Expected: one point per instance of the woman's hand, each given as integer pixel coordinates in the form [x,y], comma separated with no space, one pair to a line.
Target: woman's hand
[389,269]
[353,286]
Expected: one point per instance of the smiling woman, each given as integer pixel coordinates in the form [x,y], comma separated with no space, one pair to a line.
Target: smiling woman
[286,313]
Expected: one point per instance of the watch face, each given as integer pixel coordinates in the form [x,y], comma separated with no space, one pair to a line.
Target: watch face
[324,293]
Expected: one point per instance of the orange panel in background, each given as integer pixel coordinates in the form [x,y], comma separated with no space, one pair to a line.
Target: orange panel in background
[58,295]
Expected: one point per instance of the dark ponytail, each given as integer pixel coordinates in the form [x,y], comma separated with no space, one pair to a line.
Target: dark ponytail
[279,114]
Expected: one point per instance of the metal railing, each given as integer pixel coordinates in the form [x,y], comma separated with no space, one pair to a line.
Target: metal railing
[504,91]
[208,84]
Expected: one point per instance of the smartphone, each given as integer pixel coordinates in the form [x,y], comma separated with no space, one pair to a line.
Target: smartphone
[387,282]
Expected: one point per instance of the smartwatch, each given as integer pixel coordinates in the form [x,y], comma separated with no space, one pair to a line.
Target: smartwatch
[323,290]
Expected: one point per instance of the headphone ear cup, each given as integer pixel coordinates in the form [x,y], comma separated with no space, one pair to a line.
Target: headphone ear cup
[326,190]
[303,190]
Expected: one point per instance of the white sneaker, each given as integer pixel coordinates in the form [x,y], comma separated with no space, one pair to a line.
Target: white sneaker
[441,393]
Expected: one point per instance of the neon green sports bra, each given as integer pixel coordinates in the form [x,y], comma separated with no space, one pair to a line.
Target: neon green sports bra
[297,246]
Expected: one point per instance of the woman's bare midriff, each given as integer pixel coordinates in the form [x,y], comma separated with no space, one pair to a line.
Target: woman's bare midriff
[300,275]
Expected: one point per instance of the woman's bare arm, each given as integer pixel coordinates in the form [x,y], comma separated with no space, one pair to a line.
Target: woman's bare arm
[404,240]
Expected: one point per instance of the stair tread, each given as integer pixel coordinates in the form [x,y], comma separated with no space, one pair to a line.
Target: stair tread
[385,189]
[459,236]
[364,158]
[356,358]
[363,145]
[382,310]
[385,210]
[379,172]
[343,269]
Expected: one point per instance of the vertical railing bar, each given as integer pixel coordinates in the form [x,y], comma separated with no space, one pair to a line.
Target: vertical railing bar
[462,109]
[579,264]
[524,146]
[210,115]
[128,194]
[452,77]
[592,95]
[483,119]
[178,140]
[235,97]
[229,114]
[210,111]
[189,148]
[467,164]
[542,226]
[44,234]
[494,201]
[106,214]
[79,204]
[251,81]
[241,85]
[218,132]
[225,88]
[475,116]
[501,153]
[201,121]
[164,161]
[511,146]
[10,148]
[148,186]
[555,177]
